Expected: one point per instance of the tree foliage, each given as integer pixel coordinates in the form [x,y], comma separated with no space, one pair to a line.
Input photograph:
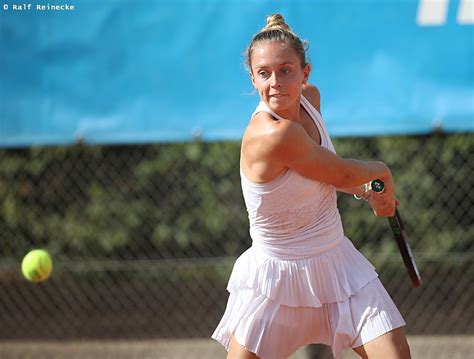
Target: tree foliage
[184,200]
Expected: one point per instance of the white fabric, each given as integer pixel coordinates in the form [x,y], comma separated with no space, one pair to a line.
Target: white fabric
[293,216]
[300,264]
[275,331]
[331,276]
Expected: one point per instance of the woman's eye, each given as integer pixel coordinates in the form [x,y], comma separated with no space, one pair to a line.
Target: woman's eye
[285,70]
[263,74]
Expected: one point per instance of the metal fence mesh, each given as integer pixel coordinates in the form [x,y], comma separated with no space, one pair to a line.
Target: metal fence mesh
[143,238]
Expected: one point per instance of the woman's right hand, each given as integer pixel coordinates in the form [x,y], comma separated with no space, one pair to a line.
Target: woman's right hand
[384,204]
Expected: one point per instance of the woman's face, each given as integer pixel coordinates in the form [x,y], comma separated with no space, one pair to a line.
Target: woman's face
[277,75]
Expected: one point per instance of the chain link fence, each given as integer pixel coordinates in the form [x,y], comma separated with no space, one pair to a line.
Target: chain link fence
[143,238]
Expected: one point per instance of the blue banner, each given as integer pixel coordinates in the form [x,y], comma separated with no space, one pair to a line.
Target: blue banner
[145,71]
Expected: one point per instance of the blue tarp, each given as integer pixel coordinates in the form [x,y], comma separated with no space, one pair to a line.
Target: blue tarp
[137,71]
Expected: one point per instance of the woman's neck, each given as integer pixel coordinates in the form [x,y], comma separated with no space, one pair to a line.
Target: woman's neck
[291,113]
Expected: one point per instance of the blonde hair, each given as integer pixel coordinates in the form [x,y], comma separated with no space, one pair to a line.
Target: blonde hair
[276,22]
[277,30]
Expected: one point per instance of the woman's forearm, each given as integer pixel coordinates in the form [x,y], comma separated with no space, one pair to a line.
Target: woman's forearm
[357,190]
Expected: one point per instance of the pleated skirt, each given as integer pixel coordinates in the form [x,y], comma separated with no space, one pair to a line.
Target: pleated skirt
[333,298]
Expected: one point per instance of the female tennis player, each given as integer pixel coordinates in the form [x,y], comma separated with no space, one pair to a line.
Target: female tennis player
[302,281]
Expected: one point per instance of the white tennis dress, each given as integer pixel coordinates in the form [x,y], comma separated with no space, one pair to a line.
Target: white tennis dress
[302,281]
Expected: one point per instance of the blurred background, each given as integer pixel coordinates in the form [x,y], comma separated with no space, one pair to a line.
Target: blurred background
[120,127]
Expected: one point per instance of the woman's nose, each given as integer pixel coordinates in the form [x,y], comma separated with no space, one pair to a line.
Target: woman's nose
[275,81]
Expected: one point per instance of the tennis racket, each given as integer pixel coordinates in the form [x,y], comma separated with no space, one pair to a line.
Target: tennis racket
[396,224]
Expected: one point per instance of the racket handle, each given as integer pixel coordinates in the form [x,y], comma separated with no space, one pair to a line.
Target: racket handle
[396,225]
[395,222]
[378,186]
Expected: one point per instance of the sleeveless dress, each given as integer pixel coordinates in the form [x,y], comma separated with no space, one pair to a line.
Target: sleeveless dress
[296,284]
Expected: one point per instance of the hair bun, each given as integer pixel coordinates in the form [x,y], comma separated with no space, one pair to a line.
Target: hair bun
[276,22]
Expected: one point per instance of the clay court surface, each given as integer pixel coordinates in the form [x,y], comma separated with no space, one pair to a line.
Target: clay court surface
[423,347]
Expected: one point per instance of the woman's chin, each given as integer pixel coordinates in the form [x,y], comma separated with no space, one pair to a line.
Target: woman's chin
[277,104]
[278,101]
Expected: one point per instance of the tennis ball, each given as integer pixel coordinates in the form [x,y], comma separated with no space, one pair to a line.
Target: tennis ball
[37,265]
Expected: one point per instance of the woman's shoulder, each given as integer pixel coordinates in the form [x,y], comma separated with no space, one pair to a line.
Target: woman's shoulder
[310,90]
[312,94]
[262,144]
[265,134]
[264,125]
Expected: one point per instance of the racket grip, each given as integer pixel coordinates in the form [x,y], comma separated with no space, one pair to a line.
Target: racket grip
[378,186]
[396,225]
[395,221]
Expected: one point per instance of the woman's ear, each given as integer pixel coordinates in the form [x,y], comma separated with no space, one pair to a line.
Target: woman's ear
[253,80]
[306,72]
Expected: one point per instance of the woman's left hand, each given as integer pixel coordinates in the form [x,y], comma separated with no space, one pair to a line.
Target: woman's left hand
[383,204]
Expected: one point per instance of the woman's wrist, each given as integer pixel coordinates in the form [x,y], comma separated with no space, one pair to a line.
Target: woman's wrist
[380,171]
[364,194]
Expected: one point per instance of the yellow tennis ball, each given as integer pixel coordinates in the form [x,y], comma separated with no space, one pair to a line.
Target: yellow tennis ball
[37,265]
